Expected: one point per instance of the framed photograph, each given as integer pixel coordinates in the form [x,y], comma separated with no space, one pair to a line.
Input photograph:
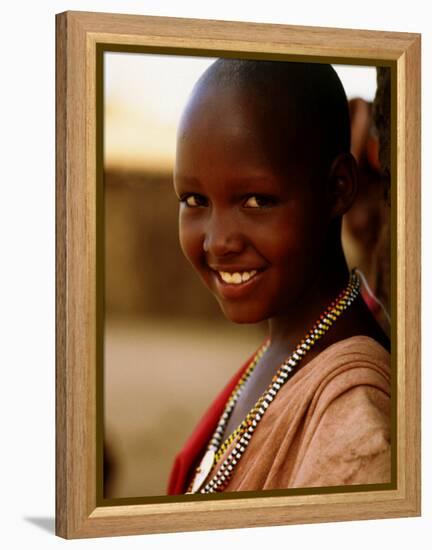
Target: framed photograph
[237,274]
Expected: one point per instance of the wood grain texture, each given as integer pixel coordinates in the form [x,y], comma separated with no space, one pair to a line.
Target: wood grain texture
[78,34]
[61,162]
[242,36]
[76,321]
[412,262]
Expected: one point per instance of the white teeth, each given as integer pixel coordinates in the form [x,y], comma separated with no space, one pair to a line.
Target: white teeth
[237,278]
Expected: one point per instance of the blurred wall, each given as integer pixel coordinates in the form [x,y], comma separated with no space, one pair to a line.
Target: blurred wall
[142,251]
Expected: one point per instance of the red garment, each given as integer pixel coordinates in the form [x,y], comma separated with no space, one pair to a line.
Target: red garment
[187,459]
[371,303]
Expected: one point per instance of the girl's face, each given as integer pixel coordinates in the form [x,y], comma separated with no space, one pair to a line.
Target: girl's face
[248,211]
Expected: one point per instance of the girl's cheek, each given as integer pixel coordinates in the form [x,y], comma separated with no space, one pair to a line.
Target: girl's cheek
[183,240]
[185,246]
[189,243]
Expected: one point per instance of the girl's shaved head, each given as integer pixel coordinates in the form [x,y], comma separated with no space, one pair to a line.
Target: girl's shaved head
[301,106]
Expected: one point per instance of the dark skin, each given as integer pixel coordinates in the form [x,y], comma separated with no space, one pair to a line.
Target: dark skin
[250,200]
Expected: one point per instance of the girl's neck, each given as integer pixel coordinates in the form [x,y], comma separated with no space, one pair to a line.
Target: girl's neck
[287,329]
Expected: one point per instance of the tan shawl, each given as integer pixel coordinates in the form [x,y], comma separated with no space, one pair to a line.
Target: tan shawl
[328,425]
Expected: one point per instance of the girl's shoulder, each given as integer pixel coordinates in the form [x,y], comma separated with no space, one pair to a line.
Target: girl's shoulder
[364,345]
[348,418]
[347,365]
[353,353]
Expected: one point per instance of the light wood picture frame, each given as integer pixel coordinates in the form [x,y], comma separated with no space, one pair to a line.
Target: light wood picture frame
[81,39]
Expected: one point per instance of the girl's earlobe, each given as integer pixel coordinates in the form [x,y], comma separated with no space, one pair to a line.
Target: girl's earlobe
[343,182]
[340,185]
[343,195]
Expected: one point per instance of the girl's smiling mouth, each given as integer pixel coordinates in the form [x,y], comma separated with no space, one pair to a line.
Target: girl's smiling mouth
[237,277]
[236,283]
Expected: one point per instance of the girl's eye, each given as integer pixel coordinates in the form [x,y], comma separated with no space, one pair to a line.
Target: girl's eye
[259,201]
[193,200]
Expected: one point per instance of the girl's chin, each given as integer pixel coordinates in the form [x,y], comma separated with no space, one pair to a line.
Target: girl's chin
[242,315]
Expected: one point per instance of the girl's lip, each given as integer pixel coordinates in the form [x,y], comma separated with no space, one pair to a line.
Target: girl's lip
[232,291]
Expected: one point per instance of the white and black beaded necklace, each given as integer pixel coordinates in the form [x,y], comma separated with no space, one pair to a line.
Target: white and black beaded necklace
[245,430]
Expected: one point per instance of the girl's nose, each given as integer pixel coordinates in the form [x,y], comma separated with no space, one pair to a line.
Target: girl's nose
[222,237]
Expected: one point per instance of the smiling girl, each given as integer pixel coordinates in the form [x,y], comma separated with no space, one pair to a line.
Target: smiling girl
[264,175]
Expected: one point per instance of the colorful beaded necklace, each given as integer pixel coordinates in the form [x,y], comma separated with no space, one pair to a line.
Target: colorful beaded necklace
[243,433]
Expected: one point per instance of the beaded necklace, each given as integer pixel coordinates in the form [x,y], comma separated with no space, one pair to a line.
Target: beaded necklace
[243,433]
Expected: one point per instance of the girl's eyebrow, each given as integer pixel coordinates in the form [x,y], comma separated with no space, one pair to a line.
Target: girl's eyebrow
[190,180]
[240,183]
[246,181]
[255,184]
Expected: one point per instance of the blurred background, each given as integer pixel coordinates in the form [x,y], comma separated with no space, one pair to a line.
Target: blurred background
[168,348]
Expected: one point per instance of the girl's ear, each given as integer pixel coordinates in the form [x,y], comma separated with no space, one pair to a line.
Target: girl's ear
[342,184]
